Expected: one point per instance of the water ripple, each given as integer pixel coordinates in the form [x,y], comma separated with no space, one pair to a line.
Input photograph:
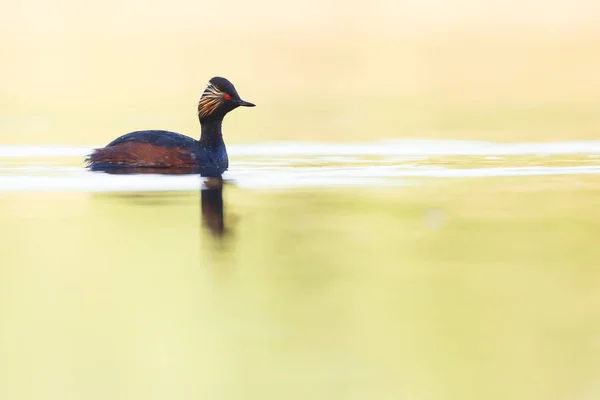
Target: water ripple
[288,165]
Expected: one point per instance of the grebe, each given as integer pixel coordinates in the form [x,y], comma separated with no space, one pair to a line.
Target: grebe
[165,149]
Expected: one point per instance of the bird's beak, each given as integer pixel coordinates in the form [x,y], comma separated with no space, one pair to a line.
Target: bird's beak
[246,104]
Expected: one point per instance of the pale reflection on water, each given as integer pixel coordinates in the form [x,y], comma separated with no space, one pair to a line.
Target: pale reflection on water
[297,165]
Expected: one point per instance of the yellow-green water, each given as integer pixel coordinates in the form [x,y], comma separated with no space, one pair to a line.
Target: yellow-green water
[443,289]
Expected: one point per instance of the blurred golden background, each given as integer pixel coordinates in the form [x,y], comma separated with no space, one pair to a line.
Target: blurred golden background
[86,72]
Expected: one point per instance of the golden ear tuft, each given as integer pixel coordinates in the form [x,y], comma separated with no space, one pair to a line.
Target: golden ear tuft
[211,99]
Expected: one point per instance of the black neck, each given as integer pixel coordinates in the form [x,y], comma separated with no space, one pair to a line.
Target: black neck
[211,136]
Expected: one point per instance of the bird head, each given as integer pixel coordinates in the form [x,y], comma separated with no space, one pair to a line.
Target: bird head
[218,99]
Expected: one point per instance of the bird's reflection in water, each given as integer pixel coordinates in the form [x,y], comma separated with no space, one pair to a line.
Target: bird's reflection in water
[212,206]
[211,192]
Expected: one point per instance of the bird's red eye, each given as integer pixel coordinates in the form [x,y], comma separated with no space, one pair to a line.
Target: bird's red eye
[227,96]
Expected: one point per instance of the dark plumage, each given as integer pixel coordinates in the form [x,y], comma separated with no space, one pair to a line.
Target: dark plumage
[163,149]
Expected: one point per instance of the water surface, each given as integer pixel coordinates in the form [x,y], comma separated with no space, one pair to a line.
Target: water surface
[413,270]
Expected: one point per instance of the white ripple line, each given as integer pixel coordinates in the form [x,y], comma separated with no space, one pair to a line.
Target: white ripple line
[265,179]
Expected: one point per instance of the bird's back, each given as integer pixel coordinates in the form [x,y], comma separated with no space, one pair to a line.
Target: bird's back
[160,138]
